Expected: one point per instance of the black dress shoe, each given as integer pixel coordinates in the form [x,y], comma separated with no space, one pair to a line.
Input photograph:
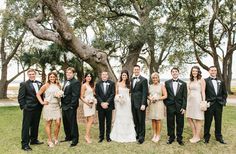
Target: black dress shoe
[221,141]
[26,148]
[65,140]
[140,141]
[206,141]
[170,141]
[73,144]
[36,142]
[108,140]
[180,142]
[100,140]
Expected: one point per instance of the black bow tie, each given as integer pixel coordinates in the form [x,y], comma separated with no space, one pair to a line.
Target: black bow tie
[213,78]
[104,81]
[32,81]
[135,77]
[175,80]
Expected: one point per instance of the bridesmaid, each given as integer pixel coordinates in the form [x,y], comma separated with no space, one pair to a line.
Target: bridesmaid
[51,108]
[89,102]
[196,93]
[157,93]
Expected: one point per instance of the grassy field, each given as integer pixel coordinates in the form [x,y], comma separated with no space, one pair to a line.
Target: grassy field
[10,130]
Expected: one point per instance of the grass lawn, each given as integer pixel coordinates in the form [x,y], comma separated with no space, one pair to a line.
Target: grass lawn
[10,131]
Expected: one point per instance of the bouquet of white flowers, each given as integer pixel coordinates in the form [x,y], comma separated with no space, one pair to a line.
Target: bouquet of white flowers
[91,100]
[154,98]
[59,94]
[119,98]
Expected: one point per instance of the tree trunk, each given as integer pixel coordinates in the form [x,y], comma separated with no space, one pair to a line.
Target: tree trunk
[44,76]
[133,55]
[3,82]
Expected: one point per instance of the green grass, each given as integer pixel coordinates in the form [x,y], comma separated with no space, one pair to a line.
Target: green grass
[10,131]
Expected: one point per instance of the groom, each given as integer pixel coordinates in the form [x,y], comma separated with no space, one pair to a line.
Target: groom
[139,92]
[105,93]
[216,94]
[176,105]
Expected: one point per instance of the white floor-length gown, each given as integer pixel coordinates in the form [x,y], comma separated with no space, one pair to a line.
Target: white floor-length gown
[123,128]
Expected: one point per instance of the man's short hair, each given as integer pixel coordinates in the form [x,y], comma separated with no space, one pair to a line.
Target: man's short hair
[137,66]
[71,69]
[174,68]
[31,70]
[211,67]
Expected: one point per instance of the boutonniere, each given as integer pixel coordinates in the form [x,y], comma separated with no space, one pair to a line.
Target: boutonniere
[137,80]
[39,83]
[180,83]
[218,81]
[108,84]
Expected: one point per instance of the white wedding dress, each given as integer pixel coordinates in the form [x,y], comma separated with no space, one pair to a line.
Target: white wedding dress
[123,128]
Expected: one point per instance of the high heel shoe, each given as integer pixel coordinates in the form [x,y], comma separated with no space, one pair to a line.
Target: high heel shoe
[50,144]
[87,139]
[194,140]
[154,138]
[56,142]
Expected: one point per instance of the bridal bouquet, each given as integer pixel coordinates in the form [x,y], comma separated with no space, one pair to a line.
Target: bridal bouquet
[119,98]
[59,94]
[91,100]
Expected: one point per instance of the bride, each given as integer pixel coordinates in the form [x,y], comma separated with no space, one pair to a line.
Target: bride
[123,128]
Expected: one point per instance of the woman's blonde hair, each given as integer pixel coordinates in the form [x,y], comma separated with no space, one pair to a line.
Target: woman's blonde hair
[155,74]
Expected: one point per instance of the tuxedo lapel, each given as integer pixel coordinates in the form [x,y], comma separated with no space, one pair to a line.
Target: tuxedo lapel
[178,87]
[101,86]
[171,87]
[31,86]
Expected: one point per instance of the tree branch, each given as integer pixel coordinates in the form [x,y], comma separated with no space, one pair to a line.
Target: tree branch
[18,74]
[41,33]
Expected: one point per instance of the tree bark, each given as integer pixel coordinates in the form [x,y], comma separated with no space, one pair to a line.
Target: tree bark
[65,36]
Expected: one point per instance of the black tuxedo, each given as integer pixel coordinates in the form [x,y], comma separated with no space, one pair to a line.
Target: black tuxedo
[217,101]
[105,114]
[31,111]
[69,105]
[174,104]
[139,93]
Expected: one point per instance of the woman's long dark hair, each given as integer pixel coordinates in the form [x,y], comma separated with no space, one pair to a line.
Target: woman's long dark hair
[91,83]
[199,75]
[127,82]
[56,81]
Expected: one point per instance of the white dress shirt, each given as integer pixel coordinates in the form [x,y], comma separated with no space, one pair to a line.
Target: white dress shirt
[175,86]
[36,87]
[214,82]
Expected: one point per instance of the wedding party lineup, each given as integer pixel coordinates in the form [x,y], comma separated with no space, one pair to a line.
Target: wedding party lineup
[197,100]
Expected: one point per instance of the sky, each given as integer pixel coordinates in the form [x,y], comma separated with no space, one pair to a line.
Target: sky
[165,75]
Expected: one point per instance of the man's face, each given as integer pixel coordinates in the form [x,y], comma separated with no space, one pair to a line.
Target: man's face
[69,74]
[213,72]
[175,73]
[104,76]
[31,75]
[136,71]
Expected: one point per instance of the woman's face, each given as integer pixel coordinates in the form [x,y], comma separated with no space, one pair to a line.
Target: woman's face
[88,78]
[52,78]
[155,79]
[124,76]
[194,72]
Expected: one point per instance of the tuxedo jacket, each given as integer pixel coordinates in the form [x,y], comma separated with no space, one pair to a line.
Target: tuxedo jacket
[139,92]
[180,99]
[211,95]
[27,96]
[70,100]
[108,97]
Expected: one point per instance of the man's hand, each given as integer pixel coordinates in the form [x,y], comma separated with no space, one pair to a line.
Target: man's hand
[182,111]
[142,108]
[104,105]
